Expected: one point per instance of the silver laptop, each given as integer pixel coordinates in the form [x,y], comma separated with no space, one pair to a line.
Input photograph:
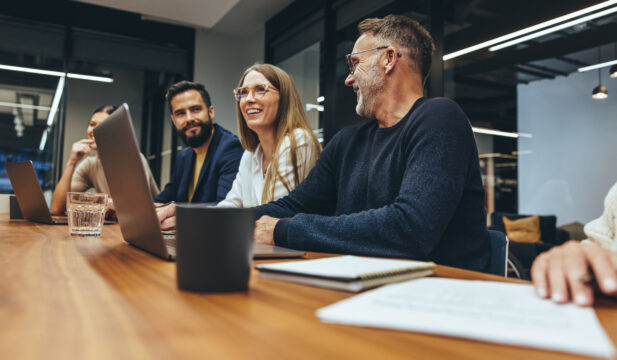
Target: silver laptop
[117,147]
[30,195]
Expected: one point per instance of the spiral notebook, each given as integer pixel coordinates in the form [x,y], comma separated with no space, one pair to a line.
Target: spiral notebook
[349,273]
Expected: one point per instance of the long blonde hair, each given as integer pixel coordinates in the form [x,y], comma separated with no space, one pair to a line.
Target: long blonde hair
[290,116]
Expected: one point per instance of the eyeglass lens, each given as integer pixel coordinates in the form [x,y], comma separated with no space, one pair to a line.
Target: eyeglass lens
[350,64]
[258,91]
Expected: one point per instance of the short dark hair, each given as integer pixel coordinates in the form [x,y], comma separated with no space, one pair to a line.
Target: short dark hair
[183,86]
[407,33]
[104,108]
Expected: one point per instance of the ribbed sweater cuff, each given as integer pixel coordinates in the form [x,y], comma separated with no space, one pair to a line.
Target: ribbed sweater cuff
[280,231]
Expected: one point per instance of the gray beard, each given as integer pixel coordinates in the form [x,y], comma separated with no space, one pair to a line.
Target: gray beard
[372,84]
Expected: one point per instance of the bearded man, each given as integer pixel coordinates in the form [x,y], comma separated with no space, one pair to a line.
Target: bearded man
[206,168]
[406,184]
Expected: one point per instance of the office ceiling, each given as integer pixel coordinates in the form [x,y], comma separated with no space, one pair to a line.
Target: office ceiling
[232,17]
[484,83]
[203,13]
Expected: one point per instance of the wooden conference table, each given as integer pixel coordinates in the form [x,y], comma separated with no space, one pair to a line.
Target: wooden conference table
[87,298]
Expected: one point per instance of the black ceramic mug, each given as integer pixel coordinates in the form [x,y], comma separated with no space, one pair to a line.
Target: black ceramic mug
[214,248]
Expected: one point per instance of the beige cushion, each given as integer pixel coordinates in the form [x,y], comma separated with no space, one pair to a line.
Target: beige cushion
[526,230]
[576,230]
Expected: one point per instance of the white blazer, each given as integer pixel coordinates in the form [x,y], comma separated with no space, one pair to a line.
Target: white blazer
[248,186]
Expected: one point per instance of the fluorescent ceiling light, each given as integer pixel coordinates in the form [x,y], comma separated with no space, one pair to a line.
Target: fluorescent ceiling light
[90,77]
[499,133]
[52,113]
[57,73]
[553,29]
[24,106]
[31,70]
[43,140]
[597,66]
[528,30]
[56,102]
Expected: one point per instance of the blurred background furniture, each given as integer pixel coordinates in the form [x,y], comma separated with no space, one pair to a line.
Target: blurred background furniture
[525,253]
[499,253]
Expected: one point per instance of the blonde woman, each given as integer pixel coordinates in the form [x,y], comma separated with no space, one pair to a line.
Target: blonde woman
[280,147]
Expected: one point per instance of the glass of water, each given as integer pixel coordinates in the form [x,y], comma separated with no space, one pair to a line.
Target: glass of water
[86,213]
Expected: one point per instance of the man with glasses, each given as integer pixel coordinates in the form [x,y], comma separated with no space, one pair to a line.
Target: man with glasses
[406,184]
[206,168]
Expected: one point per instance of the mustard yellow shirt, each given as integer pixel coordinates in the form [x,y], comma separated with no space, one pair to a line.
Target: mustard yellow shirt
[199,162]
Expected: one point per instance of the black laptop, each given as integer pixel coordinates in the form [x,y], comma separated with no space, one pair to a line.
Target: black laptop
[30,195]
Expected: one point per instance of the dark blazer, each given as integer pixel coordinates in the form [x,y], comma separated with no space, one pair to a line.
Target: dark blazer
[217,173]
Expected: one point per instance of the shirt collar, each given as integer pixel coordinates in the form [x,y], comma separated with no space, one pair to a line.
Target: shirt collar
[257,157]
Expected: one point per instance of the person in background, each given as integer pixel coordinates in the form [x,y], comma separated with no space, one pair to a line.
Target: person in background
[280,147]
[206,168]
[405,184]
[570,271]
[88,174]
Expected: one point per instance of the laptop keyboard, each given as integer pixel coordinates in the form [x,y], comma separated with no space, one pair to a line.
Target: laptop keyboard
[170,243]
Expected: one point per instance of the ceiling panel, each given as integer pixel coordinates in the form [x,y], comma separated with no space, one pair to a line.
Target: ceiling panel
[202,13]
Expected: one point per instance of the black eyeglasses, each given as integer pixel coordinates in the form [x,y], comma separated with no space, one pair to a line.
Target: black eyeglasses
[352,65]
[258,90]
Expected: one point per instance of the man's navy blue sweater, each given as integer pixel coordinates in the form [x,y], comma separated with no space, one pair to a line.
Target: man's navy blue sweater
[412,190]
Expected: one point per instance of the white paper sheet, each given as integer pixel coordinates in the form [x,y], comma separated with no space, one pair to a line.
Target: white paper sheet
[484,310]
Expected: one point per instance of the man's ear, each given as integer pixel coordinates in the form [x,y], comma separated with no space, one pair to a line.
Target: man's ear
[392,58]
[211,111]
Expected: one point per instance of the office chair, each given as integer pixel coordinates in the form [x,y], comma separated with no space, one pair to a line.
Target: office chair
[499,253]
[502,261]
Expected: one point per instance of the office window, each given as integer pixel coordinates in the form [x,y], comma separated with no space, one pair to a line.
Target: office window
[303,67]
[86,63]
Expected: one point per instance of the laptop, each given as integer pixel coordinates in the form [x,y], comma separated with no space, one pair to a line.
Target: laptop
[30,195]
[126,177]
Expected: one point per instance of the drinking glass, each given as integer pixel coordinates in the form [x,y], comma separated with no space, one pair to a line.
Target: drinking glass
[86,213]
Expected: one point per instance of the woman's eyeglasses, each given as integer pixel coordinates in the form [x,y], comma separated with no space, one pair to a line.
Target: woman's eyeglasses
[258,90]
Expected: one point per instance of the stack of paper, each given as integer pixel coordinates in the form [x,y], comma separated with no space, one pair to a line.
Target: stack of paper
[491,311]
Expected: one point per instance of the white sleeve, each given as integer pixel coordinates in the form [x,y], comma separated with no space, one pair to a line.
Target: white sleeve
[305,161]
[602,229]
[233,199]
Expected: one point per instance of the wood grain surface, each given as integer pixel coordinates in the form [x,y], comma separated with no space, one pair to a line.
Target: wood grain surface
[65,297]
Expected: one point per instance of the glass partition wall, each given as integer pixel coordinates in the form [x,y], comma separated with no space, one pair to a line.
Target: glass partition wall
[56,69]
[303,67]
[28,126]
[545,143]
[32,88]
[528,89]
